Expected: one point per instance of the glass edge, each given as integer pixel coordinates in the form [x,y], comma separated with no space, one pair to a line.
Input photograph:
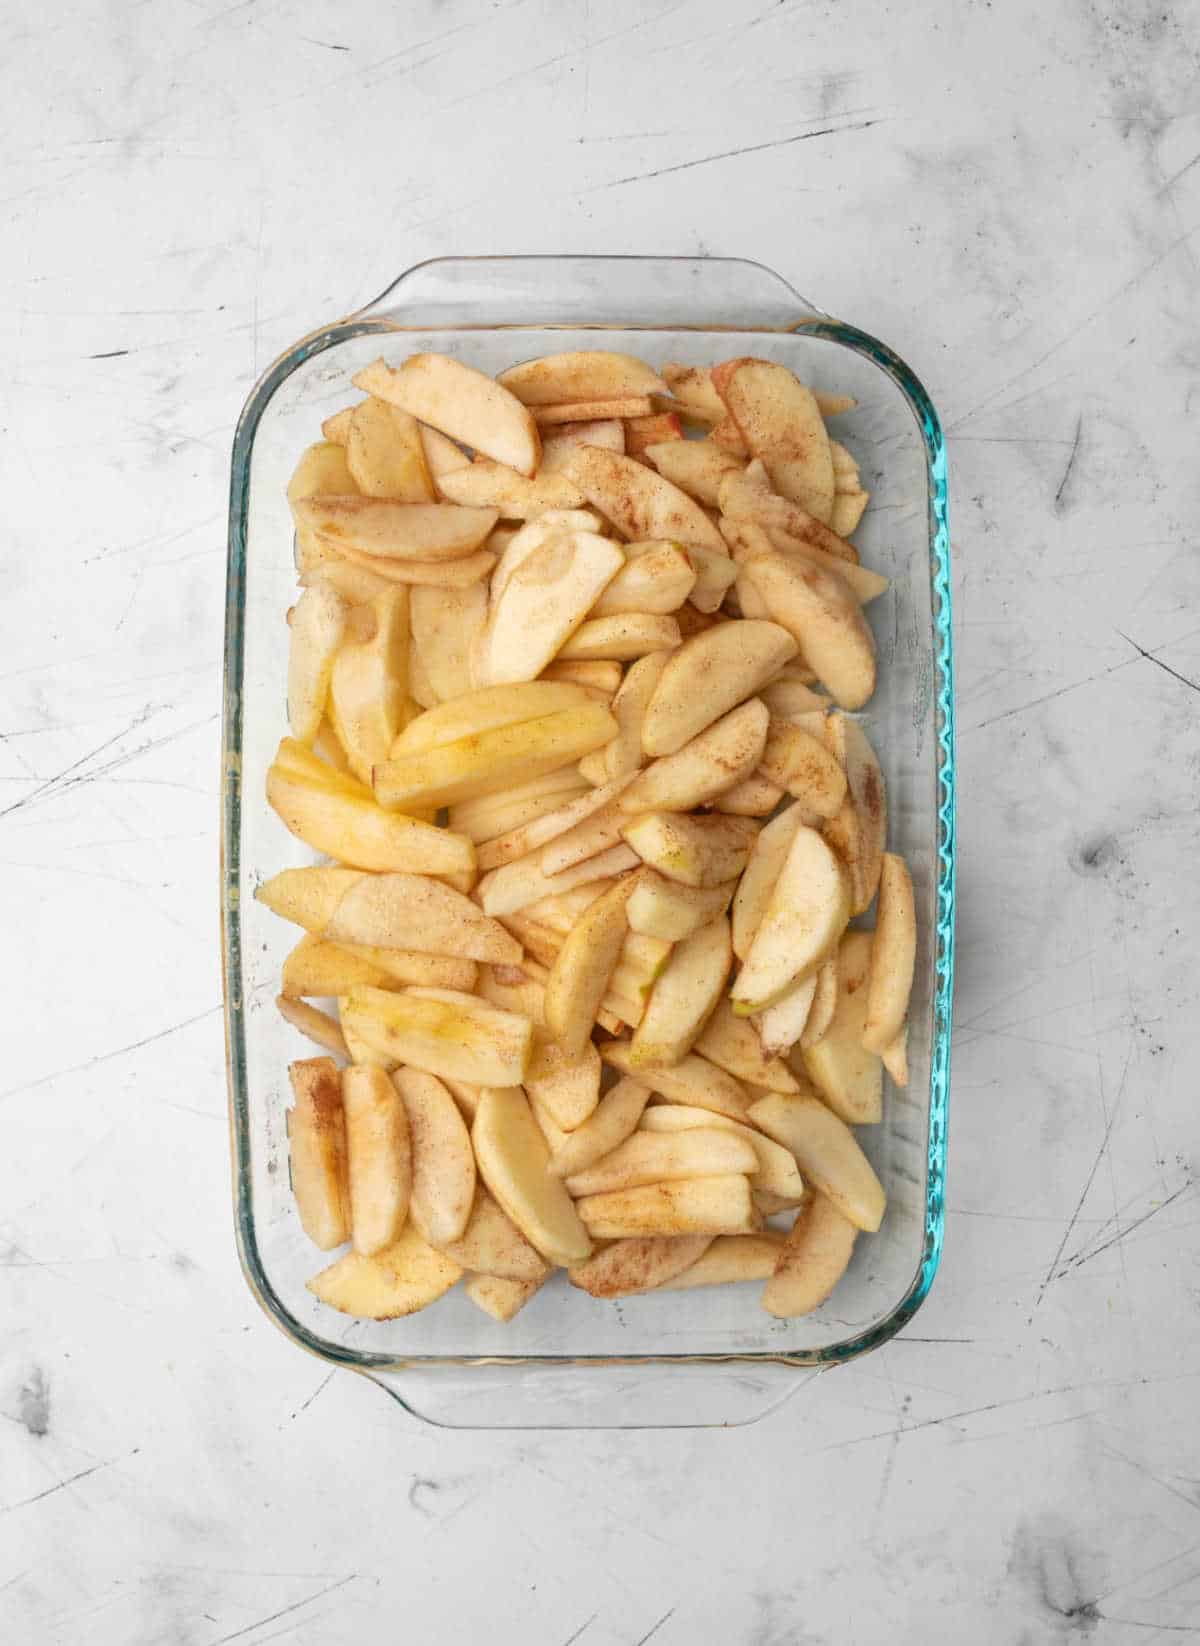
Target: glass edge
[839,1353]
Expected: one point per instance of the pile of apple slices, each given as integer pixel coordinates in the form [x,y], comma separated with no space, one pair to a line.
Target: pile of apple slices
[571,702]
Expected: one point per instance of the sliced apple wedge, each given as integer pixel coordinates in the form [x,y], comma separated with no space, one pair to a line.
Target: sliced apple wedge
[683,997]
[664,908]
[715,1205]
[316,1026]
[459,401]
[600,676]
[538,832]
[895,1057]
[624,755]
[746,495]
[781,423]
[358,576]
[541,605]
[566,1084]
[336,429]
[893,956]
[781,1025]
[502,1299]
[693,387]
[369,703]
[514,1162]
[608,432]
[824,1002]
[639,501]
[583,967]
[695,466]
[614,1119]
[714,760]
[487,762]
[622,638]
[492,1244]
[693,1080]
[317,1142]
[484,484]
[805,915]
[715,576]
[733,1044]
[754,796]
[774,1173]
[791,699]
[409,967]
[656,578]
[416,912]
[593,835]
[318,624]
[362,834]
[847,1075]
[640,1264]
[582,374]
[864,584]
[445,623]
[859,831]
[307,897]
[461,1037]
[627,407]
[385,455]
[324,971]
[695,851]
[731,1259]
[408,1276]
[321,472]
[386,530]
[516,886]
[802,764]
[661,1157]
[442,456]
[443,1164]
[655,429]
[707,676]
[378,1158]
[814,1258]
[486,710]
[827,1154]
[496,814]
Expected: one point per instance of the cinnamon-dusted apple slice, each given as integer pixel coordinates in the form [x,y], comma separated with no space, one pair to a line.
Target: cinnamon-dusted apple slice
[581,374]
[459,401]
[638,501]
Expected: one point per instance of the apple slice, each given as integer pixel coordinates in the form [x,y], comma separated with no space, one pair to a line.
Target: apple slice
[458,1037]
[541,605]
[307,897]
[492,1244]
[538,832]
[746,495]
[597,833]
[714,760]
[847,1075]
[708,675]
[580,975]
[598,676]
[864,584]
[663,908]
[895,1057]
[514,1161]
[656,429]
[624,755]
[443,1164]
[444,625]
[415,912]
[324,970]
[715,1205]
[409,967]
[730,1259]
[487,485]
[733,1044]
[803,765]
[495,814]
[321,472]
[893,956]
[385,530]
[763,869]
[614,1119]
[781,423]
[566,1084]
[824,1002]
[624,637]
[408,1276]
[693,387]
[656,577]
[695,466]
[657,1157]
[608,432]
[318,622]
[581,374]
[789,699]
[859,830]
[640,1264]
[693,1080]
[827,1154]
[715,576]
[639,501]
[694,851]
[316,1130]
[316,1026]
[781,1025]
[487,762]
[378,1158]
[486,710]
[369,703]
[754,796]
[459,401]
[360,833]
[502,1299]
[683,997]
[336,429]
[358,576]
[442,456]
[515,886]
[385,455]
[774,1172]
[627,407]
[814,1258]
[805,915]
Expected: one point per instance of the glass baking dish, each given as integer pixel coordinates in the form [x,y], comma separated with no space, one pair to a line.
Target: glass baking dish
[681,1357]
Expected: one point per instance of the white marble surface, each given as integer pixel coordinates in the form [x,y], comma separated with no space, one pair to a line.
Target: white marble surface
[1010,194]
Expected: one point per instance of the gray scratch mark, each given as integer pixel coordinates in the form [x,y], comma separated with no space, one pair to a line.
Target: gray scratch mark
[1113,1240]
[570,1640]
[1182,172]
[107,1057]
[1074,453]
[1158,662]
[295,1607]
[61,1485]
[1048,697]
[324,1383]
[71,777]
[1141,1469]
[110,354]
[733,154]
[328,45]
[655,1627]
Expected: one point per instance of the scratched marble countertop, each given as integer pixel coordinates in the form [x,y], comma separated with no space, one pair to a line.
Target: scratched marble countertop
[1011,196]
